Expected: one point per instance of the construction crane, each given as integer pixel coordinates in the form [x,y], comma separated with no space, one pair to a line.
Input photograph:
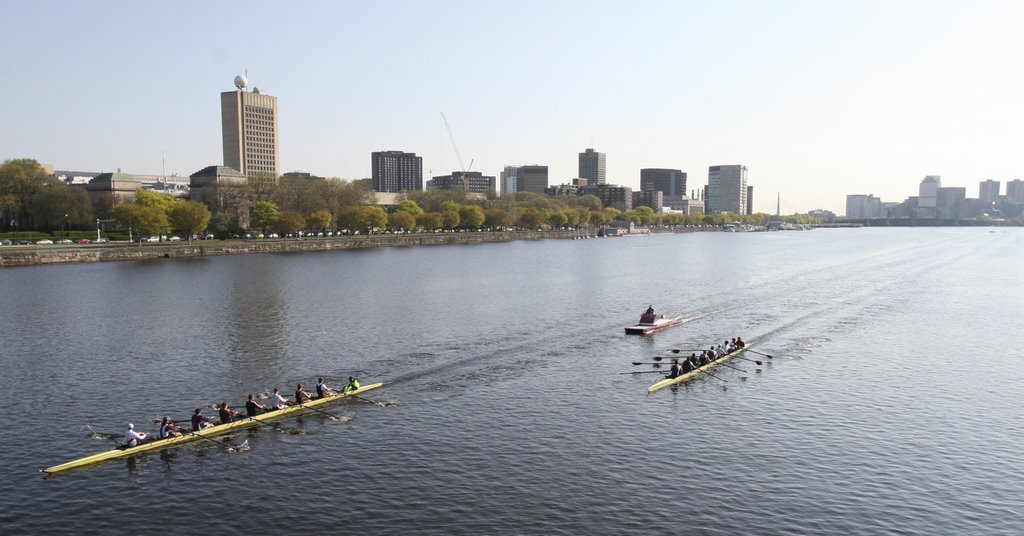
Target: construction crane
[451,137]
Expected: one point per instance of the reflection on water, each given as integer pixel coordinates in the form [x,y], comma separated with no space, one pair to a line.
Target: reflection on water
[257,321]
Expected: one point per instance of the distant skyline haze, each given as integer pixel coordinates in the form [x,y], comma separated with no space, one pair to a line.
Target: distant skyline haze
[818,99]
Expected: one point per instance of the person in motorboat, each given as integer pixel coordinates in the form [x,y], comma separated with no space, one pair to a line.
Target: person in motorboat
[352,385]
[168,429]
[301,397]
[227,414]
[133,438]
[649,316]
[252,407]
[200,421]
[322,391]
[277,401]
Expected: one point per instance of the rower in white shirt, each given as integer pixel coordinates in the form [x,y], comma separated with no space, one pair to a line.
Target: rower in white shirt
[133,438]
[277,401]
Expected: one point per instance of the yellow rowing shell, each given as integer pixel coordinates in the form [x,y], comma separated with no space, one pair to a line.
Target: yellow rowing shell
[220,429]
[694,373]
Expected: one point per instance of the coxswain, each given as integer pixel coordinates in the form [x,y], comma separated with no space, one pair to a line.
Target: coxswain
[301,397]
[252,407]
[168,429]
[200,421]
[322,391]
[352,385]
[133,438]
[227,414]
[277,401]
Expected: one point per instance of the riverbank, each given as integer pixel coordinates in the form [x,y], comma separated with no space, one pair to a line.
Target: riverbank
[38,255]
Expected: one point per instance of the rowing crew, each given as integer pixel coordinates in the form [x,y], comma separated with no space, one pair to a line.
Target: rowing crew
[694,362]
[252,408]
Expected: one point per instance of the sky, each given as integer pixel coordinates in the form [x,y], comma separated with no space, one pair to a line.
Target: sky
[819,99]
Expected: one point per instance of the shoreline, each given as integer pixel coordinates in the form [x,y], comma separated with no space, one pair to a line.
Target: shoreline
[119,251]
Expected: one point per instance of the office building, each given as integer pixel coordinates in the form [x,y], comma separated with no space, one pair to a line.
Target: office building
[727,189]
[670,182]
[592,167]
[620,197]
[950,203]
[470,181]
[249,131]
[532,179]
[861,207]
[988,191]
[654,199]
[928,191]
[1015,191]
[750,199]
[396,171]
[508,180]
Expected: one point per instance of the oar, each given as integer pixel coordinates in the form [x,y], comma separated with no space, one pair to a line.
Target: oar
[221,443]
[732,367]
[748,359]
[759,353]
[646,363]
[330,415]
[272,425]
[677,350]
[712,375]
[644,372]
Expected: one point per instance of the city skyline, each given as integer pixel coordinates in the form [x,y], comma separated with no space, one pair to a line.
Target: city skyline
[817,100]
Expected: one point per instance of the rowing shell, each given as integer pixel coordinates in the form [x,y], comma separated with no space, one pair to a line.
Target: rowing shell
[694,373]
[220,429]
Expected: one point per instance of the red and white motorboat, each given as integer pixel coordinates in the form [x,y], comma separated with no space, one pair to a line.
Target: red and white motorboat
[649,323]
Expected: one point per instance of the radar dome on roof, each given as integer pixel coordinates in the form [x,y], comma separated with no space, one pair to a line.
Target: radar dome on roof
[241,82]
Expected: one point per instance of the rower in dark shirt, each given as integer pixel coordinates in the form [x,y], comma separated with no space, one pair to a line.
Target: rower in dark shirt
[252,407]
[227,414]
[301,397]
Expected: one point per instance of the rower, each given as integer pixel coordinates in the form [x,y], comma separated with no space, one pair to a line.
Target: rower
[352,385]
[168,429]
[227,414]
[200,421]
[133,438]
[677,370]
[703,359]
[301,397]
[252,407]
[688,363]
[740,343]
[277,401]
[322,391]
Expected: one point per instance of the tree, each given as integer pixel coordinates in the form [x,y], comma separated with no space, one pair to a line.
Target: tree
[363,218]
[402,220]
[145,220]
[264,214]
[450,219]
[497,218]
[556,219]
[290,221]
[531,218]
[320,219]
[165,202]
[225,224]
[471,216]
[190,217]
[430,220]
[409,206]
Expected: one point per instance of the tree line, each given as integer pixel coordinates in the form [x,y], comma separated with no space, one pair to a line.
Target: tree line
[32,199]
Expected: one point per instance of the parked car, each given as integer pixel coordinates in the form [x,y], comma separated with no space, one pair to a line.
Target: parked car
[65,241]
[174,239]
[84,241]
[6,242]
[24,243]
[273,235]
[44,242]
[100,241]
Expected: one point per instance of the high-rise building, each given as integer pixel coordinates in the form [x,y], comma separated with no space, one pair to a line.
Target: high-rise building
[396,171]
[671,182]
[727,189]
[861,207]
[532,179]
[750,199]
[508,180]
[988,190]
[620,197]
[592,167]
[950,203]
[929,191]
[1015,191]
[249,130]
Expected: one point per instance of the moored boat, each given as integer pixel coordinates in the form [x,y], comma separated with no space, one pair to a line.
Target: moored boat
[206,433]
[652,325]
[697,372]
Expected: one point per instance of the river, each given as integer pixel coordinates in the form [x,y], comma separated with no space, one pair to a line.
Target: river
[891,403]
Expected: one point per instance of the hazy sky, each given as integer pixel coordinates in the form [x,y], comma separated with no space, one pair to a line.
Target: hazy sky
[819,99]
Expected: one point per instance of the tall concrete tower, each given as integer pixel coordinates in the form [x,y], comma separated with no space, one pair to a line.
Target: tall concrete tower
[592,167]
[249,130]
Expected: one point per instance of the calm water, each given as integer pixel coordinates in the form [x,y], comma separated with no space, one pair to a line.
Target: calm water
[892,404]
